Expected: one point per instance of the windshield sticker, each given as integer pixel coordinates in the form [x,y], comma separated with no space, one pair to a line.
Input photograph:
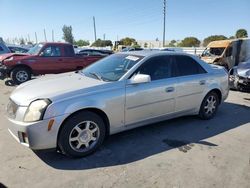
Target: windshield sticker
[132,58]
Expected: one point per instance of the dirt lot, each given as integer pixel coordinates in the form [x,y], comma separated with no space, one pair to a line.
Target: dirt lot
[185,152]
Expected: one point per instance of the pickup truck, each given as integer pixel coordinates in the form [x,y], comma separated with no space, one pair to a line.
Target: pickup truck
[43,58]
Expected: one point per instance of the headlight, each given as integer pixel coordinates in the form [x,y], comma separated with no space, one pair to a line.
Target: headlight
[36,110]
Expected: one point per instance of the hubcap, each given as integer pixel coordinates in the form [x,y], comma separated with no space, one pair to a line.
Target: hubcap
[210,105]
[84,136]
[22,76]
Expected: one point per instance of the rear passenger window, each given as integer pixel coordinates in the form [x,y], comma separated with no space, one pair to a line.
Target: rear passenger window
[187,66]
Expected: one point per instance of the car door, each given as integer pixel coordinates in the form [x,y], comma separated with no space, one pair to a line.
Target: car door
[192,80]
[154,99]
[47,61]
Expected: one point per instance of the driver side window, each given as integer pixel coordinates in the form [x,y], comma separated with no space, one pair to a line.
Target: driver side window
[51,51]
[157,68]
[229,51]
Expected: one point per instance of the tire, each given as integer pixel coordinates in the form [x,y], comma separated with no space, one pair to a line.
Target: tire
[78,137]
[20,75]
[209,106]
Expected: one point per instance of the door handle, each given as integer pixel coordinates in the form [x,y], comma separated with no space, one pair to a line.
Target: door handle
[169,89]
[202,82]
[60,59]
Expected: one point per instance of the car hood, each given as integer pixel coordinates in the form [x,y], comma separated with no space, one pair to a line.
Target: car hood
[14,55]
[54,87]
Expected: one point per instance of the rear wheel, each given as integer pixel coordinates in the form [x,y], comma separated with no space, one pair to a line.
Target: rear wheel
[209,106]
[20,75]
[82,134]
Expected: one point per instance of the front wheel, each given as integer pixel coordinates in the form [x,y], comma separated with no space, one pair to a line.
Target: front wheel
[20,75]
[209,106]
[81,134]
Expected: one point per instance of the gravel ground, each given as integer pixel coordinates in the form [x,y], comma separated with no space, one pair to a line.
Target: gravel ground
[184,152]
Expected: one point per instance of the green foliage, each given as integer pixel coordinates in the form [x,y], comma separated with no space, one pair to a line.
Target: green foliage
[172,43]
[145,45]
[190,42]
[102,43]
[67,34]
[213,38]
[241,33]
[232,37]
[22,41]
[81,42]
[128,41]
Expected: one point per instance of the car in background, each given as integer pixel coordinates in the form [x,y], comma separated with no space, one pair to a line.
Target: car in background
[94,52]
[239,77]
[130,49]
[74,112]
[44,58]
[17,49]
[4,49]
[227,53]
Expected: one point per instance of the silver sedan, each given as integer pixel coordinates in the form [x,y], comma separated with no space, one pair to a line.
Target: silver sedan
[74,112]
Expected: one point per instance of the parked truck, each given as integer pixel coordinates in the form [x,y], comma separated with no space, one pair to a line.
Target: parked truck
[227,53]
[43,58]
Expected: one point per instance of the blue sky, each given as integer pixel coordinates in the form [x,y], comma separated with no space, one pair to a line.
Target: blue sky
[141,19]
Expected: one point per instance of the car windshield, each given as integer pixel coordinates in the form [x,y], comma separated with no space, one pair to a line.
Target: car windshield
[213,51]
[35,50]
[111,68]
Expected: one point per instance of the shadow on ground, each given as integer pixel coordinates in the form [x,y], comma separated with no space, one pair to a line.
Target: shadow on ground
[181,133]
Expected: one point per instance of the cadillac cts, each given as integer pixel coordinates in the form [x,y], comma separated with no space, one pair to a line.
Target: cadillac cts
[74,112]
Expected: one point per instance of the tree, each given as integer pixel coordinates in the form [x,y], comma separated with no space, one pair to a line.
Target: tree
[102,43]
[190,42]
[67,34]
[172,43]
[211,38]
[145,45]
[128,41]
[232,37]
[241,33]
[22,42]
[81,42]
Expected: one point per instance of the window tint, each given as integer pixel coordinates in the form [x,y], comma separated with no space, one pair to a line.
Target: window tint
[187,66]
[69,51]
[51,51]
[157,67]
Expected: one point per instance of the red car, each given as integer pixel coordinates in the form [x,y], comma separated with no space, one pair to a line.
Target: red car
[44,58]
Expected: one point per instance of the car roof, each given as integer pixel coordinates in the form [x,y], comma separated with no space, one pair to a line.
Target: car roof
[149,53]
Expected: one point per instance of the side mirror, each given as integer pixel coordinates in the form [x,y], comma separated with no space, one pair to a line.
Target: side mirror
[41,54]
[140,78]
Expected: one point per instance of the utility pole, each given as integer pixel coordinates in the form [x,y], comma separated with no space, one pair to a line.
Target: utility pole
[94,27]
[36,37]
[52,35]
[164,21]
[45,37]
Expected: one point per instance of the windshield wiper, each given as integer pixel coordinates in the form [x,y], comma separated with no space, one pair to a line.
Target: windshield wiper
[96,75]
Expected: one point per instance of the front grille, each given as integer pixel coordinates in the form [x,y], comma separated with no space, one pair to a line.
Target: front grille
[12,108]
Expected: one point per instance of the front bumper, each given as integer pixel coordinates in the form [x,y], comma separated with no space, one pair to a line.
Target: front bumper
[38,136]
[240,83]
